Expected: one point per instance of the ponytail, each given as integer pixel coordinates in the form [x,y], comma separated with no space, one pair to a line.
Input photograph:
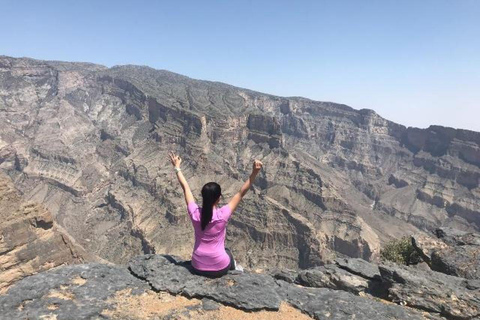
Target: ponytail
[210,194]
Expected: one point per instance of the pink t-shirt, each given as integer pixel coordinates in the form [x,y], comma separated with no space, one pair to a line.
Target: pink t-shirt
[209,250]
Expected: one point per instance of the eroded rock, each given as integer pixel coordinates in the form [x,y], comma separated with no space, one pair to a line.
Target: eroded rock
[70,292]
[359,267]
[426,245]
[454,252]
[460,261]
[455,237]
[449,296]
[244,290]
[30,240]
[323,304]
[95,291]
[249,291]
[331,276]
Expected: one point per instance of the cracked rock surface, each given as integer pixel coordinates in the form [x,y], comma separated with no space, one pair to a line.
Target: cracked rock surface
[452,252]
[101,291]
[71,292]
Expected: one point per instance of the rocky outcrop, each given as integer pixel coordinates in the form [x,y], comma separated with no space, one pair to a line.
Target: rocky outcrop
[90,144]
[160,286]
[426,245]
[451,297]
[453,252]
[447,296]
[331,276]
[455,237]
[79,292]
[30,240]
[244,290]
[462,261]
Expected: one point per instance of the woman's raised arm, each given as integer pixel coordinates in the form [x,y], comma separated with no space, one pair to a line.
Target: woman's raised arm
[257,166]
[176,161]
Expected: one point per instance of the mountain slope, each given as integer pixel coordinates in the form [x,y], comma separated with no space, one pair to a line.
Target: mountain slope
[30,241]
[91,142]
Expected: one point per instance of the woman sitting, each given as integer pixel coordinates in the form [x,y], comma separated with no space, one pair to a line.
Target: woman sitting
[210,257]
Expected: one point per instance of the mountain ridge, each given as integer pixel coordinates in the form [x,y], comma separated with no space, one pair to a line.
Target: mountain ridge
[120,66]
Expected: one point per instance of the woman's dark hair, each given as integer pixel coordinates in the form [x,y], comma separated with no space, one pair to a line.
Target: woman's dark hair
[210,194]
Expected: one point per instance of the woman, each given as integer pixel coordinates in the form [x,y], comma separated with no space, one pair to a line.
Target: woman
[210,258]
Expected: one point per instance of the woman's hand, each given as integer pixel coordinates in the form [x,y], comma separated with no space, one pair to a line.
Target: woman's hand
[176,160]
[257,166]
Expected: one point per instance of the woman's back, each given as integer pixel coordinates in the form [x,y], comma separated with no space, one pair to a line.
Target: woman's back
[210,257]
[209,251]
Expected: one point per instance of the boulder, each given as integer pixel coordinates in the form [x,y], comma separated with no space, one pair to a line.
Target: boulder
[359,267]
[245,291]
[331,276]
[449,296]
[286,275]
[454,252]
[426,245]
[460,261]
[253,292]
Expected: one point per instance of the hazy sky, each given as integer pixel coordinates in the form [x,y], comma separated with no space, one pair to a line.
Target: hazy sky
[414,62]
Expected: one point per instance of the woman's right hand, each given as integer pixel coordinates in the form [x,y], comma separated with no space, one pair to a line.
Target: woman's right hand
[257,166]
[175,159]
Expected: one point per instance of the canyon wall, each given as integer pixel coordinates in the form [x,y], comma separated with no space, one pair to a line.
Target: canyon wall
[90,143]
[30,240]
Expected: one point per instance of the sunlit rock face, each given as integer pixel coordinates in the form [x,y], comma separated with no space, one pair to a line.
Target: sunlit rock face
[30,240]
[91,144]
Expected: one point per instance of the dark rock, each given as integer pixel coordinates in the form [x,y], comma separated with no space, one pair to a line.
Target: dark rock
[359,267]
[163,273]
[425,246]
[244,291]
[454,252]
[460,261]
[70,292]
[421,266]
[456,237]
[209,305]
[258,291]
[285,275]
[331,276]
[323,304]
[449,296]
[85,291]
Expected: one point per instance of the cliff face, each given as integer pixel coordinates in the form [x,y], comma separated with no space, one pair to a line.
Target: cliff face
[91,144]
[30,241]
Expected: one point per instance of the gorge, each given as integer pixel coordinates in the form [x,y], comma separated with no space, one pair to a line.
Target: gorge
[90,144]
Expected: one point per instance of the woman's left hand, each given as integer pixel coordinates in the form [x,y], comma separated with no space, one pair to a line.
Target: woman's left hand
[176,160]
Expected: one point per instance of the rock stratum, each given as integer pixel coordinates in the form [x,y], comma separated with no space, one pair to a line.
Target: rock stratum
[30,240]
[90,144]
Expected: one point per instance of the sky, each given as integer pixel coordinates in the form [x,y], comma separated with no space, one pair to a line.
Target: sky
[414,62]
